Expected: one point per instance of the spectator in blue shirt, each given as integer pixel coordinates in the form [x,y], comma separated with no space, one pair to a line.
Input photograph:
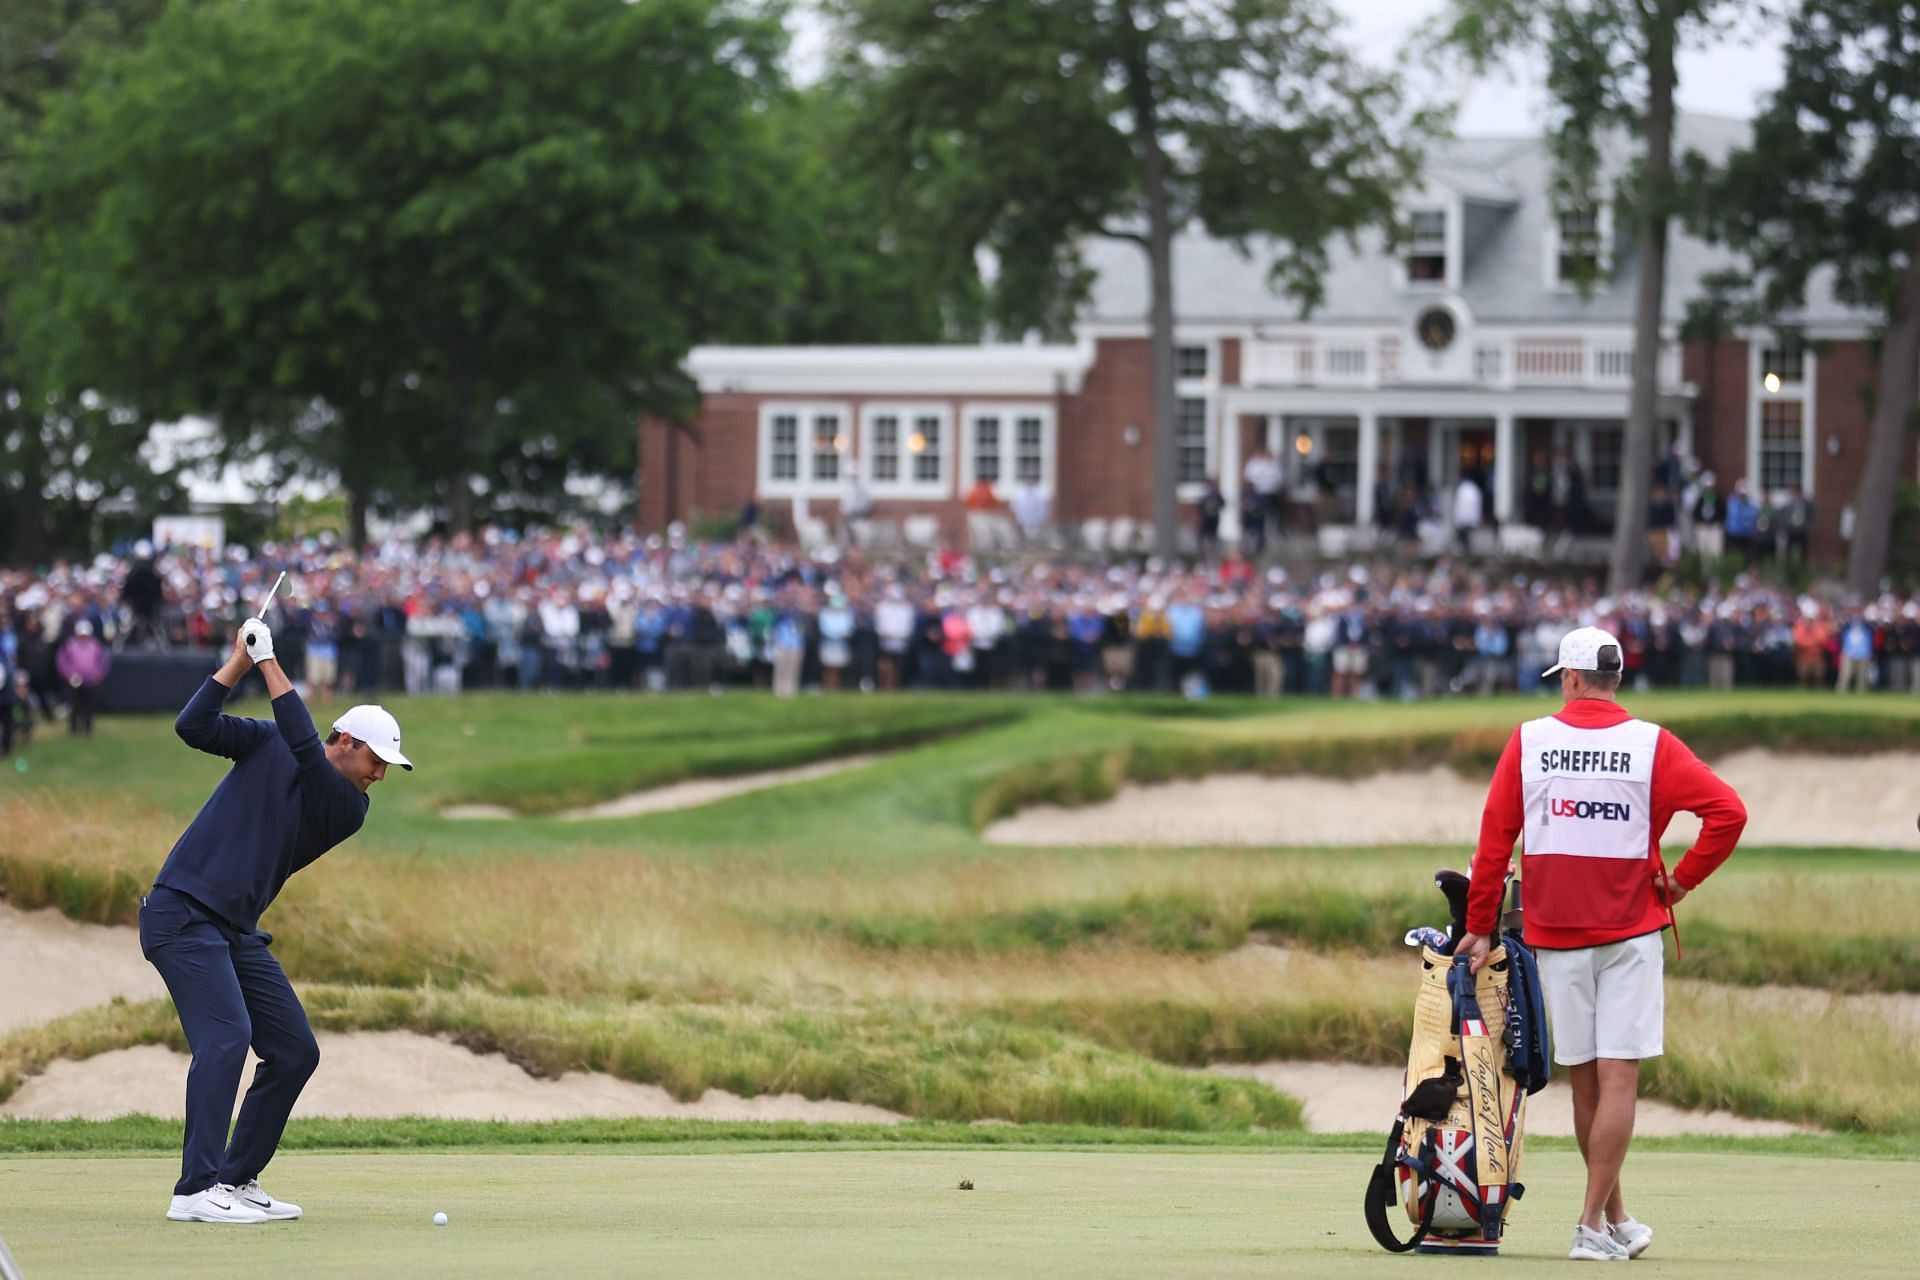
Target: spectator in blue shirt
[1856,656]
[1743,521]
[1187,636]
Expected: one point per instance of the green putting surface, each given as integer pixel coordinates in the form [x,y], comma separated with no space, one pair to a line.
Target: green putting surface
[1051,1213]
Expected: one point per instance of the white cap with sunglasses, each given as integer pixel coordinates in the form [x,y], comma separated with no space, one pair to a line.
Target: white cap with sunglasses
[1580,650]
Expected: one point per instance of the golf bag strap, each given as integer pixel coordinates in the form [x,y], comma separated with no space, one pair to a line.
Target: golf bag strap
[1382,1196]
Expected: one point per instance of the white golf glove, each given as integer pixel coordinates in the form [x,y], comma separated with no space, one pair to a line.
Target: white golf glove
[258,639]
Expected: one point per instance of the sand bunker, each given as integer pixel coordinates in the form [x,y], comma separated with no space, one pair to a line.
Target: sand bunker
[1343,1098]
[52,966]
[1867,801]
[383,1074]
[679,795]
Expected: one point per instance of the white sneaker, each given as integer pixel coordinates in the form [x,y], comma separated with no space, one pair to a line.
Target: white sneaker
[1595,1246]
[1630,1235]
[216,1204]
[250,1193]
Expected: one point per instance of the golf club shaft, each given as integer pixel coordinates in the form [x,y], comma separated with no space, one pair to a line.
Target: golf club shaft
[268,602]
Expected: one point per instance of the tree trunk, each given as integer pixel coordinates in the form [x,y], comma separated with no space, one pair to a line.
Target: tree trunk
[1165,457]
[1892,414]
[356,516]
[459,472]
[1656,179]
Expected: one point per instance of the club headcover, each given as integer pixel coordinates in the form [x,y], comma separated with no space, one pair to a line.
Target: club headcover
[1454,885]
[1432,1099]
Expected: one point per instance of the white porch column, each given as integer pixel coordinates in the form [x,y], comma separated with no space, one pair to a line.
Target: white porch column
[1504,446]
[1230,480]
[1369,468]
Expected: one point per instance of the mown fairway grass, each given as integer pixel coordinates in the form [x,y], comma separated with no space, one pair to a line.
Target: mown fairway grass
[1107,1212]
[855,937]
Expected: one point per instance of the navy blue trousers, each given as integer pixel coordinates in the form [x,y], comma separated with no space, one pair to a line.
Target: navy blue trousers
[231,993]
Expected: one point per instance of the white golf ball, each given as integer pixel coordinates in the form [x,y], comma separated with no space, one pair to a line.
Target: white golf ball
[439,1219]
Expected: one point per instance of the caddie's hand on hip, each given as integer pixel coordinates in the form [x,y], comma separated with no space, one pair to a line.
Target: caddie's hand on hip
[1476,946]
[1670,890]
[257,638]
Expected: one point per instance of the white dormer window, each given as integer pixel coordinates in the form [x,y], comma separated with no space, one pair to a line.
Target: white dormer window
[1577,249]
[1427,247]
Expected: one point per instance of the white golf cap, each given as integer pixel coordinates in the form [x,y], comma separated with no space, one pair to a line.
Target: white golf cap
[1580,651]
[376,727]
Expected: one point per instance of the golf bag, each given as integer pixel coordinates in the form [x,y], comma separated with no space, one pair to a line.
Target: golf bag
[1452,1161]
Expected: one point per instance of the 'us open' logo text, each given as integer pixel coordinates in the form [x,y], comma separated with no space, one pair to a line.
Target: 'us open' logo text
[1610,810]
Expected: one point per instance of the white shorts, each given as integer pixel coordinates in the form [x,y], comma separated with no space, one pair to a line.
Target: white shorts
[1606,1002]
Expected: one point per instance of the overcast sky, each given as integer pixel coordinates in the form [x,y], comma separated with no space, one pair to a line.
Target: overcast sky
[1727,80]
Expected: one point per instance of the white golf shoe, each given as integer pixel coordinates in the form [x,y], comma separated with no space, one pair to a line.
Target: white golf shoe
[1595,1246]
[1631,1235]
[217,1203]
[251,1194]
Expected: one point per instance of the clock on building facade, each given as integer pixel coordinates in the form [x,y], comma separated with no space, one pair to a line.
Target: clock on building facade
[1435,328]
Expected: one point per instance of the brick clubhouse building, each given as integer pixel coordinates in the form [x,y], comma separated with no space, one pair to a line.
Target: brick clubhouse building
[1465,350]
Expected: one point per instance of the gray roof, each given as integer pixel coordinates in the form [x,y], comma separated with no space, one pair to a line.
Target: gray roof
[1506,184]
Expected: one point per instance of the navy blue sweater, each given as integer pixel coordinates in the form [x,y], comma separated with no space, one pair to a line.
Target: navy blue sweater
[281,806]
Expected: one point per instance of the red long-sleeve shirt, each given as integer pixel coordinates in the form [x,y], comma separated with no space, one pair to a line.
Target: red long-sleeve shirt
[1681,781]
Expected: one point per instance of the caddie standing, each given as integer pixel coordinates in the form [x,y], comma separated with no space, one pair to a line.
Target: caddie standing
[287,799]
[1590,791]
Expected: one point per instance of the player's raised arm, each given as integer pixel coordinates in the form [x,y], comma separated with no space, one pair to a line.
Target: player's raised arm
[289,712]
[202,725]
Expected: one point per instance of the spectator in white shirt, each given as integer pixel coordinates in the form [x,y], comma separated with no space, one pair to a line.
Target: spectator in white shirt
[1469,508]
[1260,501]
[1031,510]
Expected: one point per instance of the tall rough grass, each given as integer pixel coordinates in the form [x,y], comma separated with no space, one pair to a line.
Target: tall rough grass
[610,765]
[929,973]
[913,1059]
[1089,777]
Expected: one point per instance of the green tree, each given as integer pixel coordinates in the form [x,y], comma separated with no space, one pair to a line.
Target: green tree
[1610,67]
[1023,127]
[383,230]
[1832,180]
[62,455]
[864,269]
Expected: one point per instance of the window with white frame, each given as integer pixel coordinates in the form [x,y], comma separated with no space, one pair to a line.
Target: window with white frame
[829,442]
[784,448]
[1029,449]
[883,449]
[927,443]
[804,448]
[1580,251]
[1190,439]
[985,446]
[1785,361]
[1007,445]
[1605,442]
[1190,363]
[904,448]
[1427,247]
[1783,445]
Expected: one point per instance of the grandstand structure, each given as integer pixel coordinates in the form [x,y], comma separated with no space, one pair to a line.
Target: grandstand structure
[1468,348]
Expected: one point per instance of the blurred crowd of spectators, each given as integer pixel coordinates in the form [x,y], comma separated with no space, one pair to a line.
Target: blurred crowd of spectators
[569,609]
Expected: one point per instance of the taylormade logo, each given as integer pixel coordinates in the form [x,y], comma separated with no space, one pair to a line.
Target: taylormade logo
[1611,810]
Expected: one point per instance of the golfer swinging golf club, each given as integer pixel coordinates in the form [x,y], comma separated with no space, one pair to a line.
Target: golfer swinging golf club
[287,799]
[1590,790]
